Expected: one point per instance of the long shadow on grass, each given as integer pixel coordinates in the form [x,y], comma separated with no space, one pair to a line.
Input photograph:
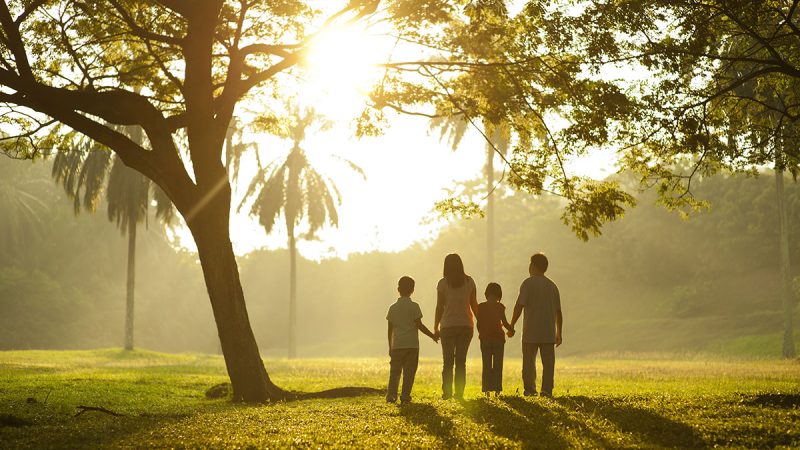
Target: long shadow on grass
[429,418]
[525,422]
[645,425]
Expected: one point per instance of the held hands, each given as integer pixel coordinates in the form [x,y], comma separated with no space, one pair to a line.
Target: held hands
[510,332]
[436,336]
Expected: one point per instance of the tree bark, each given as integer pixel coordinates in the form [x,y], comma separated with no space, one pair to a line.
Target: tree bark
[785,265]
[131,280]
[292,294]
[249,378]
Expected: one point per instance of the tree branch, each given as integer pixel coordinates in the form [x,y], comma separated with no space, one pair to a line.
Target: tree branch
[17,47]
[180,7]
[141,32]
[29,10]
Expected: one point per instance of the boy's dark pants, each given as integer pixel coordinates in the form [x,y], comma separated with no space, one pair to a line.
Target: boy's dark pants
[455,343]
[529,367]
[405,361]
[492,353]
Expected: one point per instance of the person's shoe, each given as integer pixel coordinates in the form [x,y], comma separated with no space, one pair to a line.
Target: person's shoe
[529,393]
[447,396]
[405,401]
[391,400]
[547,394]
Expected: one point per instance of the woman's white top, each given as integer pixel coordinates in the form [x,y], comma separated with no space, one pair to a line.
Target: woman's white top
[457,312]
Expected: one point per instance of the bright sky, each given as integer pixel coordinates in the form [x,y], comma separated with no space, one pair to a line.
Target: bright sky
[408,168]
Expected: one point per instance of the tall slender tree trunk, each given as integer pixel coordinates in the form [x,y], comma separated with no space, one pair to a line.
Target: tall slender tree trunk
[131,280]
[292,294]
[489,212]
[785,264]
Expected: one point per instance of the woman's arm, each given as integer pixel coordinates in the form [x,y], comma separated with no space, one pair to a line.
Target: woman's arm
[473,302]
[439,311]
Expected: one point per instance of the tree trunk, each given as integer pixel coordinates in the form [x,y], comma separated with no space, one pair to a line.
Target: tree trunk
[131,281]
[249,378]
[785,265]
[292,294]
[489,213]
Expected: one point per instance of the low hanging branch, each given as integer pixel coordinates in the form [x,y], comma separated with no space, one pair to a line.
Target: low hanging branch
[83,409]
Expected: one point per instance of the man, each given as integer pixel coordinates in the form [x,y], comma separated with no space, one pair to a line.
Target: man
[541,329]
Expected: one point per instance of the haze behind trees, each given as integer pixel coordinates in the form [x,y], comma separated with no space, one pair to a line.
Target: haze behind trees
[525,70]
[710,288]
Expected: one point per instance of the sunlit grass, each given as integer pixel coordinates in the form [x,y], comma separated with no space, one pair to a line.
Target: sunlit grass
[642,401]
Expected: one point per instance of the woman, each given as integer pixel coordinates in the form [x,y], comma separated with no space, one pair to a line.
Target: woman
[456,302]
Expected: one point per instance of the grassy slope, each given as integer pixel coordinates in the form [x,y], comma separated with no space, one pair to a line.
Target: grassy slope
[635,402]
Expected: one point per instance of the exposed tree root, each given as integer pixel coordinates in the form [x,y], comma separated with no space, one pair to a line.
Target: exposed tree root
[83,409]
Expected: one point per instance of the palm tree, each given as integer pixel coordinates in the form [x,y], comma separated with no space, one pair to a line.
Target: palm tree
[497,140]
[294,187]
[95,171]
[22,206]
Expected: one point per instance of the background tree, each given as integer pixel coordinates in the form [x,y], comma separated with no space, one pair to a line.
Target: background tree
[524,73]
[496,141]
[298,190]
[128,194]
[722,90]
[21,200]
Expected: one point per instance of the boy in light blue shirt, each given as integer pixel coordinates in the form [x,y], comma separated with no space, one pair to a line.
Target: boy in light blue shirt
[405,318]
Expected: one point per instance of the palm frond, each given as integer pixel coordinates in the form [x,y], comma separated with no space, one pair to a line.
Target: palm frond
[271,199]
[353,166]
[66,167]
[451,129]
[91,177]
[164,208]
[296,164]
[315,205]
[127,195]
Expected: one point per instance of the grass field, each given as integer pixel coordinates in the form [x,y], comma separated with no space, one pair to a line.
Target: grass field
[637,401]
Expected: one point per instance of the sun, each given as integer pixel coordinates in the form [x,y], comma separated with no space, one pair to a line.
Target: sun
[342,64]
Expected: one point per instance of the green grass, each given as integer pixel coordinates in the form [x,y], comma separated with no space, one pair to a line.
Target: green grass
[643,401]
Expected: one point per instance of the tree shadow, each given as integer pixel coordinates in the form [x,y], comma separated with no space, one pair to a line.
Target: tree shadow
[429,418]
[648,427]
[785,401]
[223,390]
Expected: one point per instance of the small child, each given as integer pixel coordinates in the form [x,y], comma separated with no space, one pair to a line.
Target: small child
[491,320]
[404,318]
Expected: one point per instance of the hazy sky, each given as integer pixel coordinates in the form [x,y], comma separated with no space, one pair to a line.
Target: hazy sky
[408,168]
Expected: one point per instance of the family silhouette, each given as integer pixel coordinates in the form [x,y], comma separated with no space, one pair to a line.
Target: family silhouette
[457,308]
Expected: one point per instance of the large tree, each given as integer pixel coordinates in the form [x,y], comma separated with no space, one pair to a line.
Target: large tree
[722,92]
[75,66]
